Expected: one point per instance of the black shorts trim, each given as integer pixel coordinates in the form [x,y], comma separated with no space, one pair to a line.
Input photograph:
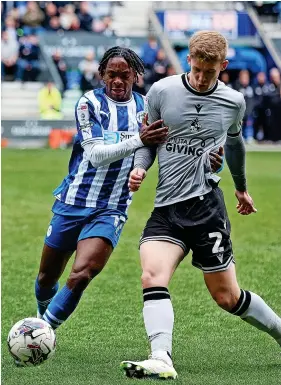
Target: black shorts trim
[215,269]
[167,239]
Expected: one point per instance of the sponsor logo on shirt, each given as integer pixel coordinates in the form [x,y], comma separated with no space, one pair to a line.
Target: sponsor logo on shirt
[194,147]
[116,137]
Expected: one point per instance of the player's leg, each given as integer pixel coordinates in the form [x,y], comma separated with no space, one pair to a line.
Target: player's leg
[52,265]
[60,242]
[249,306]
[212,253]
[158,260]
[91,257]
[161,252]
[95,245]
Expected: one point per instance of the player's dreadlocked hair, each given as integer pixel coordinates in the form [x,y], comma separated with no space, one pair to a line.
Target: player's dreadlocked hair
[130,56]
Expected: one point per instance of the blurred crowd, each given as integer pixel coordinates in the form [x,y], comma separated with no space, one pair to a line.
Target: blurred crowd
[23,21]
[263,104]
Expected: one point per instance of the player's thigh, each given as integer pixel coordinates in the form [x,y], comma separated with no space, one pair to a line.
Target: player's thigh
[91,256]
[210,241]
[63,232]
[106,225]
[161,248]
[97,240]
[159,260]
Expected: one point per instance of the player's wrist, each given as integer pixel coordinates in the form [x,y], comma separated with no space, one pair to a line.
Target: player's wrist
[142,167]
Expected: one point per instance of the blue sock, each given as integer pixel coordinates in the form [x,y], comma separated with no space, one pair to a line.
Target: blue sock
[62,306]
[44,296]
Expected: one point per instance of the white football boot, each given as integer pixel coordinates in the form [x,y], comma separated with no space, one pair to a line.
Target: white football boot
[159,366]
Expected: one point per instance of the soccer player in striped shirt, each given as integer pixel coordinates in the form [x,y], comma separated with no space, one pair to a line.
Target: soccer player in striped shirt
[91,203]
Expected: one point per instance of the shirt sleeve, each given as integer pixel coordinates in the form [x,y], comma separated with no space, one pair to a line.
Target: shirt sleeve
[235,128]
[153,104]
[88,125]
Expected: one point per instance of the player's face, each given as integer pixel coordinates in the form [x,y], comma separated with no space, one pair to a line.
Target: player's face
[203,75]
[119,79]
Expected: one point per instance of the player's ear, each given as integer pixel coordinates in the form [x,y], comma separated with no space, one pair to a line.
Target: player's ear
[224,65]
[188,59]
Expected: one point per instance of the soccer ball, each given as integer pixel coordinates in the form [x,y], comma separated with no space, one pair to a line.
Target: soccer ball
[31,341]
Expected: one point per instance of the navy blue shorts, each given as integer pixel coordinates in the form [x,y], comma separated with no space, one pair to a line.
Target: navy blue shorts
[65,231]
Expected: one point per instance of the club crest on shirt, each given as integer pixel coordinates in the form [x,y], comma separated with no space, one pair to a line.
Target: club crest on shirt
[83,114]
[140,116]
[195,125]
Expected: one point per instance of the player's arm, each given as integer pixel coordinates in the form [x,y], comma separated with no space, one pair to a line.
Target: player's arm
[91,137]
[235,155]
[145,156]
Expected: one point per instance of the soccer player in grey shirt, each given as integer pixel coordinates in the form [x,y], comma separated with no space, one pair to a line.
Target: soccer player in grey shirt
[202,114]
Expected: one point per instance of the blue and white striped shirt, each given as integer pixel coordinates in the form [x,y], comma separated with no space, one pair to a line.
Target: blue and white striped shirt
[99,117]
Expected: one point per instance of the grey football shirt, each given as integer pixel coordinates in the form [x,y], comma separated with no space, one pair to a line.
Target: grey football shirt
[198,124]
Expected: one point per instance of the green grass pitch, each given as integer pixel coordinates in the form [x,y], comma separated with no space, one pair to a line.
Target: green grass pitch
[210,346]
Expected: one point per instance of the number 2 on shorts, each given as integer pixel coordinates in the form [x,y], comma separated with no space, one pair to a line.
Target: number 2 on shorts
[216,248]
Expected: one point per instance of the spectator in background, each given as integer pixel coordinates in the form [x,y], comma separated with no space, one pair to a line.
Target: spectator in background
[159,69]
[171,70]
[50,102]
[103,26]
[273,115]
[275,125]
[28,63]
[224,77]
[261,90]
[243,86]
[275,79]
[54,24]
[61,67]
[149,52]
[10,27]
[33,18]
[84,16]
[9,54]
[68,19]
[50,12]
[88,67]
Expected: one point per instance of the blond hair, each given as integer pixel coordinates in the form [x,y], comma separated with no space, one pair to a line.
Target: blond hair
[208,46]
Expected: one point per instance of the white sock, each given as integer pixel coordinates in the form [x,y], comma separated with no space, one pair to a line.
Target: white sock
[158,318]
[257,313]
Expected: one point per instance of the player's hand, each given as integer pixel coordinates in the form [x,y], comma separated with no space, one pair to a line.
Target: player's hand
[245,204]
[154,133]
[216,159]
[137,175]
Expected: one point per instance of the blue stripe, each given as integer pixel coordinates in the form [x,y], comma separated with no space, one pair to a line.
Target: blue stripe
[85,185]
[105,116]
[124,197]
[74,162]
[122,118]
[139,104]
[109,182]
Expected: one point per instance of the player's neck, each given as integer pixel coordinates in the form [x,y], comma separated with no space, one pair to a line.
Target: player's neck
[187,75]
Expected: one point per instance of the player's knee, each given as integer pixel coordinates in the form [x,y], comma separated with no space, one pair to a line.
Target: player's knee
[80,278]
[152,279]
[225,300]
